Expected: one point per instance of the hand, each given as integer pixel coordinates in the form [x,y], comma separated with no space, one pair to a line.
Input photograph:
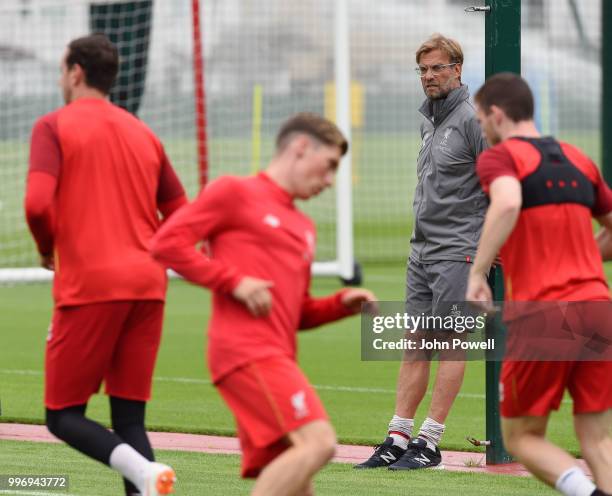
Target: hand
[479,292]
[255,295]
[354,297]
[47,262]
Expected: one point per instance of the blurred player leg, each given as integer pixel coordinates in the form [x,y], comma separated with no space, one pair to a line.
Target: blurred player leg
[128,382]
[308,490]
[593,431]
[129,379]
[92,339]
[88,437]
[524,439]
[312,446]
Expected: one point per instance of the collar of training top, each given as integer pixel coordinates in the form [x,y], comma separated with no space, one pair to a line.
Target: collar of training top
[437,110]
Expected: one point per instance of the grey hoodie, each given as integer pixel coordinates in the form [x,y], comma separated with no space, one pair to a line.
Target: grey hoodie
[449,204]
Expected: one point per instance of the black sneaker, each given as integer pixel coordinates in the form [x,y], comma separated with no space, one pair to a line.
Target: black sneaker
[384,455]
[418,455]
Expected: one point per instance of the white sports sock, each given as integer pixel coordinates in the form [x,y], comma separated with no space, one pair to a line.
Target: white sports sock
[574,482]
[400,430]
[131,464]
[431,431]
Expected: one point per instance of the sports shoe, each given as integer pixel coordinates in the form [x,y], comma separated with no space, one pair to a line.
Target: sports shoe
[384,455]
[160,480]
[418,455]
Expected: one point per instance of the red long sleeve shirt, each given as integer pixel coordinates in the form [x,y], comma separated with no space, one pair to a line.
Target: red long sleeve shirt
[252,229]
[96,180]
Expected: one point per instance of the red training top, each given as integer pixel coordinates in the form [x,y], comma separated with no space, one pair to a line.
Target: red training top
[253,229]
[551,254]
[96,180]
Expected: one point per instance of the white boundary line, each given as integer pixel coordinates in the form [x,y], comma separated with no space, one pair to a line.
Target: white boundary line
[206,382]
[320,387]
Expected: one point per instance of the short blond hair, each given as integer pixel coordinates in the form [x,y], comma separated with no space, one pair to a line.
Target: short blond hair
[313,125]
[446,45]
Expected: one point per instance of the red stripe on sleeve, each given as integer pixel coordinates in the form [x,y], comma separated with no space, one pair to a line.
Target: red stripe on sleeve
[40,192]
[170,186]
[45,148]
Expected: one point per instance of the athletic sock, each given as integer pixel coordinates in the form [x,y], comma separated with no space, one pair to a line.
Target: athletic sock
[131,464]
[400,430]
[431,431]
[128,420]
[574,482]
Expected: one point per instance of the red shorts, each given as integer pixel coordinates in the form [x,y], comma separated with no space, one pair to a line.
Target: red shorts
[269,399]
[112,341]
[536,388]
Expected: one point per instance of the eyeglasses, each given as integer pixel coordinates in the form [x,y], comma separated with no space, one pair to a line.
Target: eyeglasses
[435,69]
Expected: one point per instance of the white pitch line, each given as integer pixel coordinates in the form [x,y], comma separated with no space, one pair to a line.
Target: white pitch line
[321,387]
[388,278]
[206,382]
[186,380]
[20,372]
[352,389]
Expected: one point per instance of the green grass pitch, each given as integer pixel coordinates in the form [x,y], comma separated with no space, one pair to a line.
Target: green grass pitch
[359,396]
[215,475]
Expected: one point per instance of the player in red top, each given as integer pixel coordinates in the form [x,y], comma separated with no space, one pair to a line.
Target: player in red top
[543,195]
[97,179]
[260,251]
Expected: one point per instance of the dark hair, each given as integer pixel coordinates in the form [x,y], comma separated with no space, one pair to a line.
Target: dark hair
[314,126]
[508,91]
[98,58]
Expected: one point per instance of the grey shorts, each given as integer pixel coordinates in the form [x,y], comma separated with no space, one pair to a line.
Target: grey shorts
[435,287]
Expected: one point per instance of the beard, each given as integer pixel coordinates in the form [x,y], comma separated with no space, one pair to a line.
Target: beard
[439,95]
[441,91]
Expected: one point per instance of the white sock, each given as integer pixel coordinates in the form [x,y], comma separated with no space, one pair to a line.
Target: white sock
[431,431]
[574,482]
[400,430]
[131,464]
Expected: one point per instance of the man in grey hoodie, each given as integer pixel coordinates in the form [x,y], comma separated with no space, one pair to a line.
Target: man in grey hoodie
[449,208]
